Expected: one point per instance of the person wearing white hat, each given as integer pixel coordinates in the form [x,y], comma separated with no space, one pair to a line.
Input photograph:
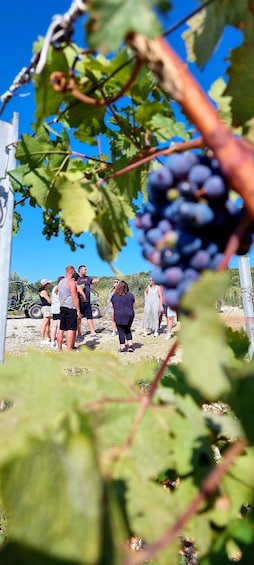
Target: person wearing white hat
[46,312]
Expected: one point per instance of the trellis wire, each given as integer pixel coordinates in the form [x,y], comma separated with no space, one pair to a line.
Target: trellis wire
[60,29]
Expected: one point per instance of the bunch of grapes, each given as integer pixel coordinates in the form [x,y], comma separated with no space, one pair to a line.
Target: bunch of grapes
[186,223]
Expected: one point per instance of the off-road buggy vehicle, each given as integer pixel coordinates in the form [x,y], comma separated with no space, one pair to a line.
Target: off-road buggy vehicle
[24,297]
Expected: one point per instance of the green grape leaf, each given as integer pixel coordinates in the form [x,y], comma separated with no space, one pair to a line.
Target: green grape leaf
[130,184]
[88,122]
[233,485]
[188,428]
[110,226]
[115,530]
[198,527]
[204,358]
[240,73]
[165,128]
[151,112]
[58,489]
[48,101]
[206,28]
[199,50]
[106,27]
[38,182]
[32,151]
[241,401]
[17,177]
[141,497]
[241,531]
[224,426]
[74,197]
[19,553]
[149,453]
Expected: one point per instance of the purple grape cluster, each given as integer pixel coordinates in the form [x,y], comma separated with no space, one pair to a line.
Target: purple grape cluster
[186,223]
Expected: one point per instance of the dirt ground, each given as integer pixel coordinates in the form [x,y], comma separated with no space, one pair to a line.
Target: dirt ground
[24,333]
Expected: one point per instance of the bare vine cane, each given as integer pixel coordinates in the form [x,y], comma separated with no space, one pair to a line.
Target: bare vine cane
[235,156]
[147,399]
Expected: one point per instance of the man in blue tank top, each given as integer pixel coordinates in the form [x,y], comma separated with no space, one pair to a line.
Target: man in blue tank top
[69,309]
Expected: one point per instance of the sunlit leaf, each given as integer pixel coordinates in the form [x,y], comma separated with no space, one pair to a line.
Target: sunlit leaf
[204,358]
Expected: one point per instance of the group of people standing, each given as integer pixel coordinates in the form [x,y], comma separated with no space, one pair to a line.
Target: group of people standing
[67,304]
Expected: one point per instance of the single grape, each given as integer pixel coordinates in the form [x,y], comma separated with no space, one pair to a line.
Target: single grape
[157,275]
[153,235]
[161,178]
[154,257]
[214,187]
[232,207]
[172,298]
[169,258]
[179,165]
[200,260]
[191,274]
[199,174]
[173,276]
[146,221]
[165,226]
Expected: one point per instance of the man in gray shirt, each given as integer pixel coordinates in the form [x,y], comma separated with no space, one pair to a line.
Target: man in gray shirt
[69,309]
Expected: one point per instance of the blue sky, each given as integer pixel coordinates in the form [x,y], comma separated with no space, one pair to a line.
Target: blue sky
[20,25]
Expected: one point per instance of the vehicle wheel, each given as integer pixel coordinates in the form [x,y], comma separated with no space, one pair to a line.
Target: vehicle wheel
[26,313]
[96,312]
[35,311]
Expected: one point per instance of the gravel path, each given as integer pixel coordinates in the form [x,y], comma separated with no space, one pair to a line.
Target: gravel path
[24,333]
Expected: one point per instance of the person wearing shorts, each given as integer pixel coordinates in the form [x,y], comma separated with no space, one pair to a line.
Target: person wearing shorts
[69,309]
[45,310]
[55,312]
[83,283]
[170,316]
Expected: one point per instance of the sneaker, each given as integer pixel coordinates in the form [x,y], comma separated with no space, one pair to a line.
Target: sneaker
[130,349]
[121,350]
[114,334]
[45,341]
[145,334]
[53,344]
[155,334]
[168,336]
